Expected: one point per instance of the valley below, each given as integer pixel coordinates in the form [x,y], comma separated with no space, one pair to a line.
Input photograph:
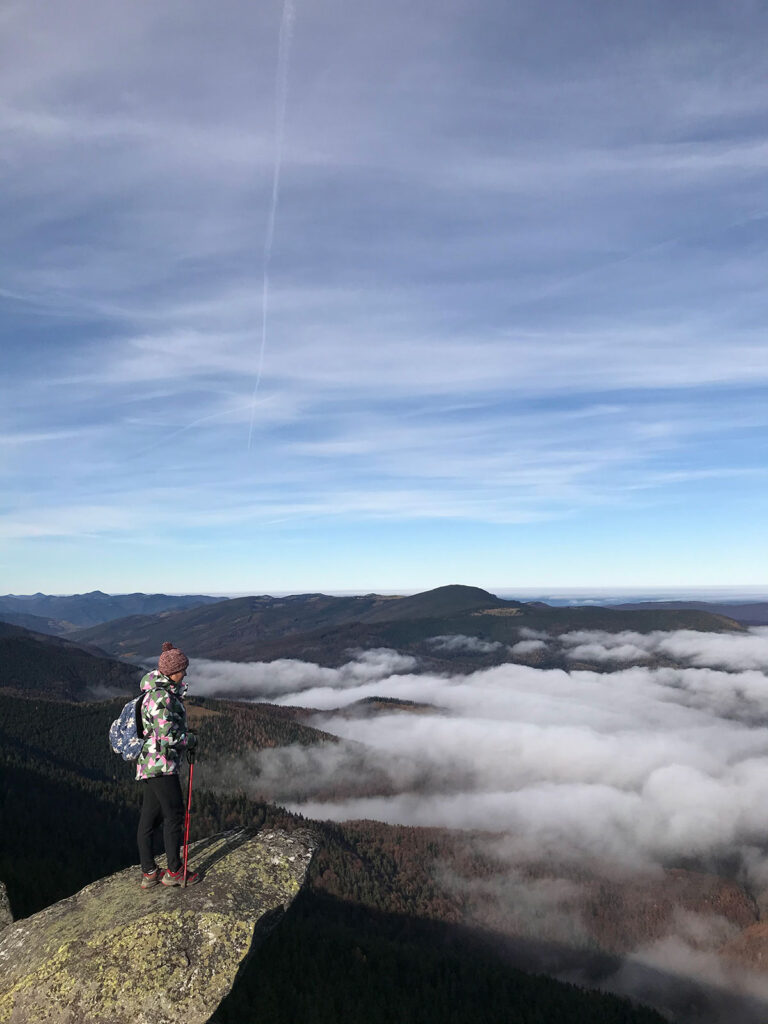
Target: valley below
[497,788]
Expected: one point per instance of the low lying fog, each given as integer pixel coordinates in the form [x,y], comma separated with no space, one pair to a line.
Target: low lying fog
[638,767]
[639,764]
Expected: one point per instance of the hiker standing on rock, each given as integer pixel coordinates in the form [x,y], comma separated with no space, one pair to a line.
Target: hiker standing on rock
[164,720]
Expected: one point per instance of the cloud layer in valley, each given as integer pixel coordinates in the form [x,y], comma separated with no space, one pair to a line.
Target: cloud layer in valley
[266,680]
[608,774]
[641,764]
[460,644]
[729,651]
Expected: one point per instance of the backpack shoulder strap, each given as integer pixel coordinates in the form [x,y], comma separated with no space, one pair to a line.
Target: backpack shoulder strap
[138,706]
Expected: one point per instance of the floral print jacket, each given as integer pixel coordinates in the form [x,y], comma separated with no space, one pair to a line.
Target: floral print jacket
[164,719]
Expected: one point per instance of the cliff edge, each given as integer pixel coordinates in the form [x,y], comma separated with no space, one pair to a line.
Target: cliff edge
[6,917]
[116,954]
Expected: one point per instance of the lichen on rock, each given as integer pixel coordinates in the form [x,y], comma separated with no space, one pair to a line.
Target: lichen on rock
[117,954]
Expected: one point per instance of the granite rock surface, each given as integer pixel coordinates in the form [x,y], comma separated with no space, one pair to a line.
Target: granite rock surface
[117,954]
[6,917]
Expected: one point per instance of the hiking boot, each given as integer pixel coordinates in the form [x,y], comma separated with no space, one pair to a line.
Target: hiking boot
[177,877]
[150,878]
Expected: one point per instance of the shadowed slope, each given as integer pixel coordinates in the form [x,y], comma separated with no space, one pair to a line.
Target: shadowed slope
[36,663]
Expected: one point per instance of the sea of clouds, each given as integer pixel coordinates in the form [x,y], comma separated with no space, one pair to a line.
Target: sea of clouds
[633,768]
[641,764]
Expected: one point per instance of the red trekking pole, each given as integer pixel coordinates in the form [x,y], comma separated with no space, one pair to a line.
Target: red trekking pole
[191,759]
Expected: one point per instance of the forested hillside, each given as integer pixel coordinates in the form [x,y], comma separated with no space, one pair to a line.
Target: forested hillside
[323,629]
[373,931]
[33,663]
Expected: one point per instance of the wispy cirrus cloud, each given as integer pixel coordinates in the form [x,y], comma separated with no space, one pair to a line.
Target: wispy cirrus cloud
[475,252]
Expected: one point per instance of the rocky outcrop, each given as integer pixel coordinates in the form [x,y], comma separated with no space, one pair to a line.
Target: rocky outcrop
[6,917]
[117,954]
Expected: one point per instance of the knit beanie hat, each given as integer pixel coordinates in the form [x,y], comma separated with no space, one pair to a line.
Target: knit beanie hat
[172,660]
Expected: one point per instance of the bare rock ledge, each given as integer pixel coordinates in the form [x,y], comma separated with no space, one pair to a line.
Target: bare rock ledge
[116,954]
[6,917]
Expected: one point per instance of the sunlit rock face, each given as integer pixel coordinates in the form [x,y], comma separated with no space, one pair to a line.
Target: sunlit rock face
[117,954]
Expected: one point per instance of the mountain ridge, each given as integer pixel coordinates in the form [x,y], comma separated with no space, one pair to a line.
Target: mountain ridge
[753,613]
[324,629]
[78,611]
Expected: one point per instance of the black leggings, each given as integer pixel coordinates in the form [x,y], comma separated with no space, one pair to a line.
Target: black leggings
[162,802]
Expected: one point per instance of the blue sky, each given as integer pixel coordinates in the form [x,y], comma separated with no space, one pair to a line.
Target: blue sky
[517,295]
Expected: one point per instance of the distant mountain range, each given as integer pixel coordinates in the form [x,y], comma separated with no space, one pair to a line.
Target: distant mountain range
[323,629]
[59,616]
[450,630]
[748,613]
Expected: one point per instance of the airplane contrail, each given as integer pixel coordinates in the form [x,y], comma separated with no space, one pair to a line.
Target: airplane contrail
[281,99]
